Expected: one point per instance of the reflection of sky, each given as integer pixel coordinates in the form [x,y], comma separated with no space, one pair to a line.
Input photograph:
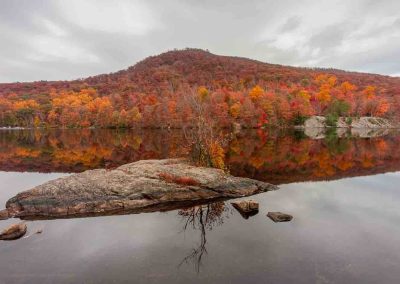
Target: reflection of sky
[343,231]
[12,183]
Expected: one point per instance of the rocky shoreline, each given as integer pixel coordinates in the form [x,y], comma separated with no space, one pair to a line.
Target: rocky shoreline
[316,127]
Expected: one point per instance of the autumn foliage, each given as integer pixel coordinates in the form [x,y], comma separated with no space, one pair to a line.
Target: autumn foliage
[264,155]
[150,94]
[182,180]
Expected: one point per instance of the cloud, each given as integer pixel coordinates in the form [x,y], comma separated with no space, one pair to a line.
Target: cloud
[128,17]
[55,40]
[291,24]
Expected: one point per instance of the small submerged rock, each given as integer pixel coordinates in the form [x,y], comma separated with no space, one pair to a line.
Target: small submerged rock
[279,217]
[13,232]
[246,208]
[4,215]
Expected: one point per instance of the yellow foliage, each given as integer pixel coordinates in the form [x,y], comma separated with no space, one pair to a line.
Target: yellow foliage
[234,110]
[32,104]
[324,95]
[256,93]
[36,121]
[305,95]
[369,92]
[332,81]
[134,114]
[326,79]
[347,87]
[217,155]
[202,93]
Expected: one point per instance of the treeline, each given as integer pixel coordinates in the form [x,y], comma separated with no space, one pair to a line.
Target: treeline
[162,91]
[273,104]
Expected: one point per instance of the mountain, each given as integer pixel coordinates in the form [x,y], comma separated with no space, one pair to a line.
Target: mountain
[196,67]
[159,82]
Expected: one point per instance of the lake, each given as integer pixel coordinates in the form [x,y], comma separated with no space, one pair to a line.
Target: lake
[342,191]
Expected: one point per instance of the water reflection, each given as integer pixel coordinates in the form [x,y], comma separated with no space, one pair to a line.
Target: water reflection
[273,156]
[202,218]
[341,228]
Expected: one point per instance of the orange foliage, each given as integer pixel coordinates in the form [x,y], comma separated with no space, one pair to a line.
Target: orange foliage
[234,89]
[217,154]
[256,93]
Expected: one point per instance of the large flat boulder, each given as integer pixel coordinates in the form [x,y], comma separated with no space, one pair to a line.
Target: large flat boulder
[143,186]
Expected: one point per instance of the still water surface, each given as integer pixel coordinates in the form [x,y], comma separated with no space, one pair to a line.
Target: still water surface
[342,192]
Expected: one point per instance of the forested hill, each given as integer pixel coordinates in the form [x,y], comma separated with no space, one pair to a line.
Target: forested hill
[151,94]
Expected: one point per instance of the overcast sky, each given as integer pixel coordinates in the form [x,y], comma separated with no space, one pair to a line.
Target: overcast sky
[55,40]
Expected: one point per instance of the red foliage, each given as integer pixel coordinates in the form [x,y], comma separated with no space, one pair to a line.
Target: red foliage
[149,94]
[183,180]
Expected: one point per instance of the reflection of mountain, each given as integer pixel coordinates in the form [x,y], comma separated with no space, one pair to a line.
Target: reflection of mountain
[79,150]
[293,158]
[272,157]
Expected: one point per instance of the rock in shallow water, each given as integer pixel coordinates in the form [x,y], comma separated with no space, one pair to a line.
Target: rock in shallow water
[13,232]
[143,186]
[4,215]
[246,208]
[279,217]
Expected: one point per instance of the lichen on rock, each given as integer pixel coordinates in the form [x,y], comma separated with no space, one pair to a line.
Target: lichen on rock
[143,186]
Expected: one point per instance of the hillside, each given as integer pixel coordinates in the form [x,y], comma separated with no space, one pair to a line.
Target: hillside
[151,94]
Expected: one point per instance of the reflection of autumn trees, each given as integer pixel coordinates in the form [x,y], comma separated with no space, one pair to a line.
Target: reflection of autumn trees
[270,156]
[75,151]
[283,159]
[202,218]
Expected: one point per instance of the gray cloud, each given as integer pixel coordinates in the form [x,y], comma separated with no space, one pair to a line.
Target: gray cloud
[53,40]
[291,24]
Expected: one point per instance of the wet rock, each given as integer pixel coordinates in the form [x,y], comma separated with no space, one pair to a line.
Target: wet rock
[143,186]
[246,208]
[4,215]
[279,217]
[14,232]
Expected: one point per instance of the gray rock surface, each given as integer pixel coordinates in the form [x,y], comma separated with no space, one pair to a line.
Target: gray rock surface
[371,122]
[315,122]
[365,127]
[143,186]
[279,217]
[343,122]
